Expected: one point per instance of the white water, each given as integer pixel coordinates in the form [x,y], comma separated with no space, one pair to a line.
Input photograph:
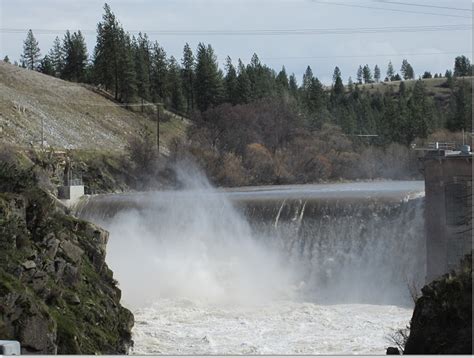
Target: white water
[200,281]
[180,326]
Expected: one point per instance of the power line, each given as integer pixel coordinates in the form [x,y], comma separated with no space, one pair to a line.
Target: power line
[420,5]
[273,32]
[365,56]
[387,9]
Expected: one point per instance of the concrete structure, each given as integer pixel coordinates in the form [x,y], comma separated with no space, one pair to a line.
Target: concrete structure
[10,348]
[448,209]
[69,194]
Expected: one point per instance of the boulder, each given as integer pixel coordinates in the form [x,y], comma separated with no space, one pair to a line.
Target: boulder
[73,252]
[28,265]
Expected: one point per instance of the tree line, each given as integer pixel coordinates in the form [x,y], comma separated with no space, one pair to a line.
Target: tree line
[136,69]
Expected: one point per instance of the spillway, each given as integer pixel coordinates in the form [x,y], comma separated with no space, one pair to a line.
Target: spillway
[300,269]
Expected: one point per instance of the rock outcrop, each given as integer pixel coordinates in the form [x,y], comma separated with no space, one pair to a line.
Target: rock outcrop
[442,320]
[57,295]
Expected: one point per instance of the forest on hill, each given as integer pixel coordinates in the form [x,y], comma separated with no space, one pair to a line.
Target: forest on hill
[252,124]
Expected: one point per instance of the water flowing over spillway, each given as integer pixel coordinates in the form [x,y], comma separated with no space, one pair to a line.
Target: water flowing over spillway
[309,269]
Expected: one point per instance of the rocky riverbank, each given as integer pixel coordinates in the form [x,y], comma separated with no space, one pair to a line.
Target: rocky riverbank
[442,320]
[57,294]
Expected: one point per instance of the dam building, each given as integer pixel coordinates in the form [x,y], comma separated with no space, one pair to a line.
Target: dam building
[448,209]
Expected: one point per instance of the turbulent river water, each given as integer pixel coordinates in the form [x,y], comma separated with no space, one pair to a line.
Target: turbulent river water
[304,269]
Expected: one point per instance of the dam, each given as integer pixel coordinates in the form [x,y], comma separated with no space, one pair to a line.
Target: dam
[299,269]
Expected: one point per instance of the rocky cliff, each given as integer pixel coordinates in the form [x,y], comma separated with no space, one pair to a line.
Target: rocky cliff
[442,319]
[57,294]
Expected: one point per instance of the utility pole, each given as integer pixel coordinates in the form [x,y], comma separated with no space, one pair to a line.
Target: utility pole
[42,134]
[158,105]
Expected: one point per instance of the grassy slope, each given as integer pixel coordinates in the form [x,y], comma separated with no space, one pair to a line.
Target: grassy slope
[73,115]
[434,86]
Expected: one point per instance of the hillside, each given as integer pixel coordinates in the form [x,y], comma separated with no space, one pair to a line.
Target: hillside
[73,116]
[435,86]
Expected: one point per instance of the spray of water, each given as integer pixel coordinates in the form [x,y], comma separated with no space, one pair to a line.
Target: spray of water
[193,244]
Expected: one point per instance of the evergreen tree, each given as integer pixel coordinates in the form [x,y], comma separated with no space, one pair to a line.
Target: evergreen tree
[397,77]
[390,71]
[159,71]
[307,79]
[176,91]
[6,59]
[188,76]
[427,74]
[75,57]
[462,67]
[367,74]
[243,84]
[142,59]
[230,82]
[460,114]
[208,84]
[350,84]
[283,85]
[57,57]
[293,86]
[360,73]
[127,82]
[407,71]
[338,86]
[46,66]
[420,114]
[377,74]
[262,79]
[106,52]
[31,52]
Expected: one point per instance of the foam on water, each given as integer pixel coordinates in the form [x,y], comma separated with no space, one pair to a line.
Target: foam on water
[180,326]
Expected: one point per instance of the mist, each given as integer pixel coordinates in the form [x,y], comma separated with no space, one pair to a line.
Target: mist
[205,245]
[193,244]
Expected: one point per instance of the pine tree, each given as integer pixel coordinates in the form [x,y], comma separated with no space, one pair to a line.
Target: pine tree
[243,84]
[142,59]
[462,67]
[407,70]
[338,86]
[208,84]
[230,82]
[127,82]
[159,72]
[283,85]
[350,84]
[307,79]
[175,86]
[57,57]
[6,59]
[377,74]
[360,74]
[188,76]
[262,78]
[46,66]
[75,57]
[31,52]
[427,74]
[390,71]
[106,52]
[367,74]
[293,86]
[460,114]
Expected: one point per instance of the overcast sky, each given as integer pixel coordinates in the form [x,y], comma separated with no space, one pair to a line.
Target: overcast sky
[321,52]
